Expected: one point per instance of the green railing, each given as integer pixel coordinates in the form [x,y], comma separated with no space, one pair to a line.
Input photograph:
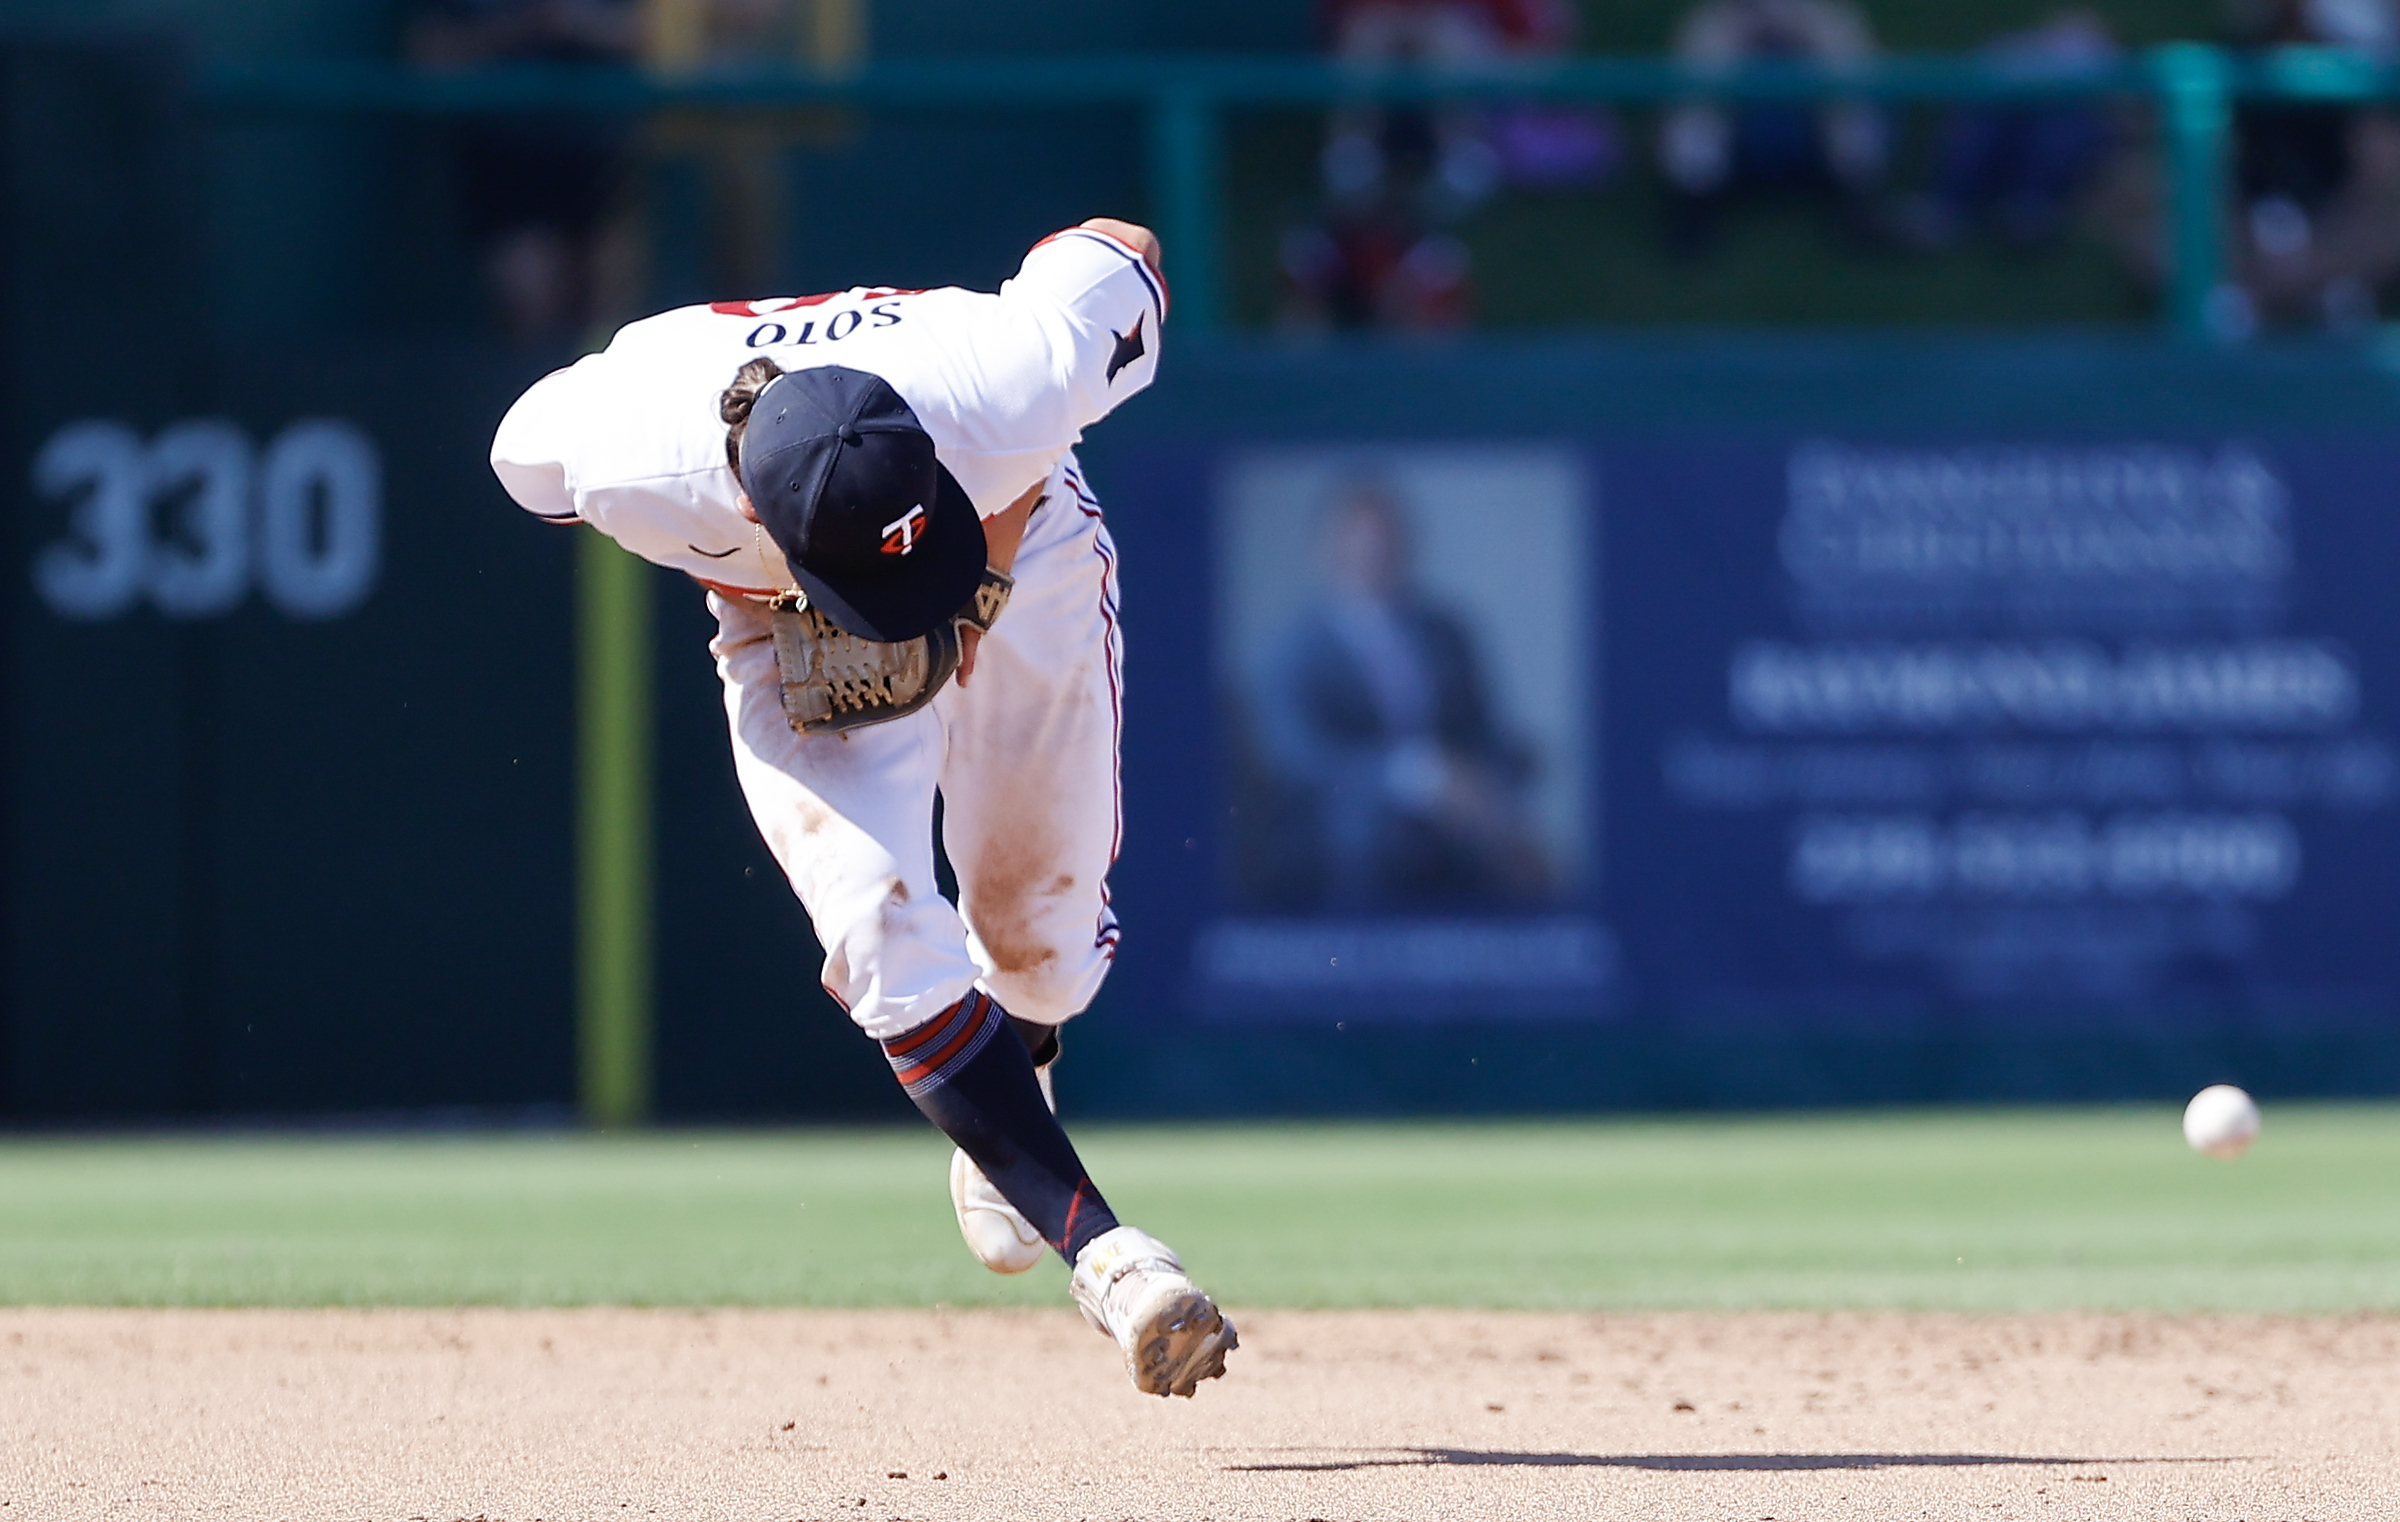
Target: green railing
[1185,100]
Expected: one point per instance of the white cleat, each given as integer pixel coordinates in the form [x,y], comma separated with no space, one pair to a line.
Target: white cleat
[1130,1285]
[1001,1239]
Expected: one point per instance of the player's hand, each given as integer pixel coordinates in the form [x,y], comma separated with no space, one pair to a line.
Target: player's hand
[1002,532]
[1143,240]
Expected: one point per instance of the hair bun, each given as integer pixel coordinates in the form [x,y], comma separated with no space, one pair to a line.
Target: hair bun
[736,401]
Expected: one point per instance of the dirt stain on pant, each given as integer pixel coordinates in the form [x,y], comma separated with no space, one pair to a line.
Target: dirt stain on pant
[1011,897]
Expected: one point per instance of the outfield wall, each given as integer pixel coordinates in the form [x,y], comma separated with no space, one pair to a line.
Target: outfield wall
[1868,720]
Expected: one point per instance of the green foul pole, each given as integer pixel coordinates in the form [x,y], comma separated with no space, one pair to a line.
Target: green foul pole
[613,833]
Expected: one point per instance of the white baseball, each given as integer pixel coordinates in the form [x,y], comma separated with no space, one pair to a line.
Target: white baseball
[2221,1121]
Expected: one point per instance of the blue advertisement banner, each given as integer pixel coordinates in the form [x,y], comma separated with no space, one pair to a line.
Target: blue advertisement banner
[1809,734]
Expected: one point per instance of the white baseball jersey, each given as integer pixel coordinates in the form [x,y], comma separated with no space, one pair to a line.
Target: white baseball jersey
[629,441]
[1025,755]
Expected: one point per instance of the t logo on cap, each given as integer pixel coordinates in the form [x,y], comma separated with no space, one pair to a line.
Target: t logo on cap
[900,535]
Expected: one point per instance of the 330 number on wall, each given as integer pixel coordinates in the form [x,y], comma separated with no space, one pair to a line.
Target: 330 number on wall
[197,516]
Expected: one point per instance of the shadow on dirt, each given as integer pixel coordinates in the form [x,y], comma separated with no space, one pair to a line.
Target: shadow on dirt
[1398,1458]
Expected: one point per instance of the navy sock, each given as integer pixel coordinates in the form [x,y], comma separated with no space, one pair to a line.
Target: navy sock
[982,1093]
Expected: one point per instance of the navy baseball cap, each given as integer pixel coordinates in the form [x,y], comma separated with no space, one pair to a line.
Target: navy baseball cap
[884,541]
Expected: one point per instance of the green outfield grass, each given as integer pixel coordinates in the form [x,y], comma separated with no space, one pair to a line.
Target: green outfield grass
[1972,1211]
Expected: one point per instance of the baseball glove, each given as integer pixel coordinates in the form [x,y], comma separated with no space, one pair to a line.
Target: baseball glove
[833,681]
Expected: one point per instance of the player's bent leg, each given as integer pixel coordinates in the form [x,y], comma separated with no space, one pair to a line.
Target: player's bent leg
[1031,823]
[1029,788]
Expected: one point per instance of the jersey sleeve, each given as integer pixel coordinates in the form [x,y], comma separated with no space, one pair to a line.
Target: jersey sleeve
[1110,310]
[531,450]
[1072,335]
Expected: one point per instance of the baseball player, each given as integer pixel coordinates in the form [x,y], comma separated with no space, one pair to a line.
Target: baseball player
[915,594]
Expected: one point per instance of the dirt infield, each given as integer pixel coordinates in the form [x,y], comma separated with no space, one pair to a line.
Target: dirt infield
[767,1416]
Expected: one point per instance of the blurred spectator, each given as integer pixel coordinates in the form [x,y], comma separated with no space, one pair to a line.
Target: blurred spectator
[535,192]
[1396,175]
[2021,165]
[2318,183]
[1378,717]
[1712,154]
[1445,155]
[1374,267]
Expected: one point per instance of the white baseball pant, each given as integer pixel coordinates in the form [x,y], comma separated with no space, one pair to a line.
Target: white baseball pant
[1025,759]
